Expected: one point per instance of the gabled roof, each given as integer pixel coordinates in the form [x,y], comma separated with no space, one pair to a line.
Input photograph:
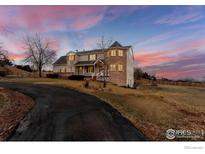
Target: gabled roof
[61,60]
[89,51]
[116,44]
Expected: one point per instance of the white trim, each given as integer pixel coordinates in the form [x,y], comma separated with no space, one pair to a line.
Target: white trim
[98,60]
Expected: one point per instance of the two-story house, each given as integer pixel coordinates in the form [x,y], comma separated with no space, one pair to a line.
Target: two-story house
[116,64]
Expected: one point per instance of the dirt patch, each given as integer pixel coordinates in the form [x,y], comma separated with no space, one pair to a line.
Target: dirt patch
[15,106]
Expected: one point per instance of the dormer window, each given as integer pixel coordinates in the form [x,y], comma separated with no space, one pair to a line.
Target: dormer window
[113,53]
[92,57]
[71,57]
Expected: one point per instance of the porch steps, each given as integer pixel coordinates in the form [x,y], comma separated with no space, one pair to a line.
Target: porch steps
[100,76]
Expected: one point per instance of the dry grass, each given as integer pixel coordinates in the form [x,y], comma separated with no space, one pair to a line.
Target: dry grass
[152,110]
[16,105]
[2,101]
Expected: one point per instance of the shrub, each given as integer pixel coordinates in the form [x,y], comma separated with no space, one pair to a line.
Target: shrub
[135,85]
[54,75]
[2,74]
[76,77]
[86,84]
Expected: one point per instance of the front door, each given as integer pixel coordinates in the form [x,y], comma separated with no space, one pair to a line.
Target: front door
[80,70]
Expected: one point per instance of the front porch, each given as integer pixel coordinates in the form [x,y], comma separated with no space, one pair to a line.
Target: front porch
[92,69]
[87,70]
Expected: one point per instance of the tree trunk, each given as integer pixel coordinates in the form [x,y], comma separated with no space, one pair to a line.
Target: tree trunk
[104,84]
[40,72]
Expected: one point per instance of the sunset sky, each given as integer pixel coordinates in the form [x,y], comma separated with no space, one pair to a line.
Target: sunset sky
[168,41]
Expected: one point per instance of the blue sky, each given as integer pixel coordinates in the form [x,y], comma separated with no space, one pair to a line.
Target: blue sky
[168,41]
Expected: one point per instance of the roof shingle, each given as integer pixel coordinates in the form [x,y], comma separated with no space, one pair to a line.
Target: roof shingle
[61,60]
[83,63]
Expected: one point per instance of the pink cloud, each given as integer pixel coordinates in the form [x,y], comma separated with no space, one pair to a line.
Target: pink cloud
[164,56]
[154,61]
[48,18]
[16,56]
[153,58]
[150,55]
[177,74]
[87,22]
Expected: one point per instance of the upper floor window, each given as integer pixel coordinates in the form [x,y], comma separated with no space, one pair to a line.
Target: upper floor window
[92,57]
[120,52]
[113,53]
[112,67]
[71,57]
[120,67]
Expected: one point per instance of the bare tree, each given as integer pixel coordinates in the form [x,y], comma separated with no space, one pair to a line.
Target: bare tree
[39,52]
[138,73]
[4,58]
[3,52]
[104,45]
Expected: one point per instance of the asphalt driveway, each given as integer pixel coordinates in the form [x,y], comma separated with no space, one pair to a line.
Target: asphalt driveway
[62,114]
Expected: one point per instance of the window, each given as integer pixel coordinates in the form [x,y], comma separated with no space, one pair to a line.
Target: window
[120,52]
[113,52]
[90,69]
[92,57]
[71,57]
[112,67]
[120,67]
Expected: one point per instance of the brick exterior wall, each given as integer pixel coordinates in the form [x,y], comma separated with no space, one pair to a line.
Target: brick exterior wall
[118,77]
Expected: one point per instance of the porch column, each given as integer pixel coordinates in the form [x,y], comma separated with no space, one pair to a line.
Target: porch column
[94,69]
[78,68]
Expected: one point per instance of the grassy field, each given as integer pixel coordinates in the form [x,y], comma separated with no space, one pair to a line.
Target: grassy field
[152,110]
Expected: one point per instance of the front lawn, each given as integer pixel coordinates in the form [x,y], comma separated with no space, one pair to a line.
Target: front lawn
[152,110]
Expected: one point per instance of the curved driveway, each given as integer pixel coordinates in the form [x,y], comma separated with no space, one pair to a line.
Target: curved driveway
[61,114]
